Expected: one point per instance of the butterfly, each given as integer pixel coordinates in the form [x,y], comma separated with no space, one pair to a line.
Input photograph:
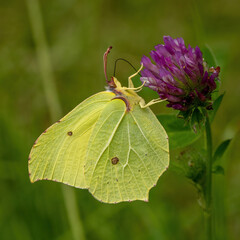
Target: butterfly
[111,144]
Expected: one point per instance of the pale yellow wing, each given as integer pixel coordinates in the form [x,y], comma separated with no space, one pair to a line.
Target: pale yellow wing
[59,153]
[127,153]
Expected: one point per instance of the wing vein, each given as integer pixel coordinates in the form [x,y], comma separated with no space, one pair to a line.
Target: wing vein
[109,141]
[104,174]
[64,140]
[129,139]
[146,138]
[143,164]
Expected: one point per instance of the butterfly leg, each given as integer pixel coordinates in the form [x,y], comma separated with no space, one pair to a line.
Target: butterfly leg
[137,89]
[144,105]
[130,83]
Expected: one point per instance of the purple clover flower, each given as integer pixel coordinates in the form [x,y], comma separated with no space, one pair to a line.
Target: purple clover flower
[180,75]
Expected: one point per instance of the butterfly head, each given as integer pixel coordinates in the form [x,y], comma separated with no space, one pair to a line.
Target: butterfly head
[127,94]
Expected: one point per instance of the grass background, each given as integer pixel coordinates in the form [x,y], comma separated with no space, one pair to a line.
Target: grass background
[78,32]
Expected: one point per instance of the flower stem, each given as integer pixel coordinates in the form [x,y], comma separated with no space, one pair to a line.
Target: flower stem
[54,106]
[208,185]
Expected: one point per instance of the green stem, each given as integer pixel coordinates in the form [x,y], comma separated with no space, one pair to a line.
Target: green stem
[53,103]
[208,186]
[73,213]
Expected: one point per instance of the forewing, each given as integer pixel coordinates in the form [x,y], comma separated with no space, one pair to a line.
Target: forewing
[59,153]
[127,153]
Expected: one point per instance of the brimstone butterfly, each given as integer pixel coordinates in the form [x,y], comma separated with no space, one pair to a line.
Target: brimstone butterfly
[111,144]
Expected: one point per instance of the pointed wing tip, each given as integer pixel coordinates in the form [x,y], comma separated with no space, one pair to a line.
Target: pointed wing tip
[34,180]
[31,179]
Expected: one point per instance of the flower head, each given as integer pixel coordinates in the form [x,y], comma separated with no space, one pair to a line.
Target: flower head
[179,75]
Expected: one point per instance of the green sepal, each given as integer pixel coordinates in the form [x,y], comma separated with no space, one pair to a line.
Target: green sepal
[186,115]
[197,120]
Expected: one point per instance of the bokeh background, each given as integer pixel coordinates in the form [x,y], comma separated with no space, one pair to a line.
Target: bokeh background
[77,34]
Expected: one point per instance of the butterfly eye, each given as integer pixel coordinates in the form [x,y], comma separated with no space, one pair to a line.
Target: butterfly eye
[114,160]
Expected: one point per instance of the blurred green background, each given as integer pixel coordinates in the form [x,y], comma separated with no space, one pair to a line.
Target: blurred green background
[78,32]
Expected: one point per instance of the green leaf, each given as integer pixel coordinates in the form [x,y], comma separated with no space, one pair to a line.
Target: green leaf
[180,134]
[211,60]
[215,106]
[221,150]
[209,56]
[218,170]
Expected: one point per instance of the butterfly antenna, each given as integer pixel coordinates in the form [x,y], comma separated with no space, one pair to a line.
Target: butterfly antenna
[105,62]
[122,59]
